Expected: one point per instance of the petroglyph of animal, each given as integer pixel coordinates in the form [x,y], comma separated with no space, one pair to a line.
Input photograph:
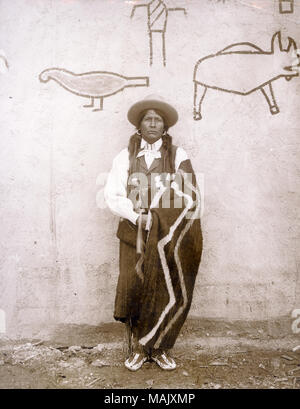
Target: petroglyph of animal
[244,68]
[157,14]
[93,85]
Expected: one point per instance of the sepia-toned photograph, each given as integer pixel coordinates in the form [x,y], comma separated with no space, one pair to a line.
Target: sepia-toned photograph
[150,197]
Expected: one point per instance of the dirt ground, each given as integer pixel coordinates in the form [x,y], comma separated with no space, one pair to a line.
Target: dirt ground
[82,357]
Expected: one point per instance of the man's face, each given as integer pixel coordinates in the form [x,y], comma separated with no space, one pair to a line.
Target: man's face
[152,126]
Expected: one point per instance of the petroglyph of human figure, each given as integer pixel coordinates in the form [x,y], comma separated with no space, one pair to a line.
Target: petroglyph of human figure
[244,68]
[157,15]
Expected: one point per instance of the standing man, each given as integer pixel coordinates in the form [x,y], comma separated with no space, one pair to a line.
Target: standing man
[152,188]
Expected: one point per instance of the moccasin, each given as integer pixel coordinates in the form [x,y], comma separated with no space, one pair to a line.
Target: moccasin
[163,360]
[135,361]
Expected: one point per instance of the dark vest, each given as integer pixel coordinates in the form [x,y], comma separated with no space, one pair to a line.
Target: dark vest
[141,182]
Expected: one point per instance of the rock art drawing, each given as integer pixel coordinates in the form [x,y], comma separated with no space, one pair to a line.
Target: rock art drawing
[157,17]
[93,85]
[286,6]
[244,68]
[3,64]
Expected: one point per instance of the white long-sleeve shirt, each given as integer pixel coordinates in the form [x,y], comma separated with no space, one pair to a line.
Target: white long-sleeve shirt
[115,191]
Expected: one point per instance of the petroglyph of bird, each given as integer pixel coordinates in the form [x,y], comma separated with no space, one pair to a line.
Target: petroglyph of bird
[94,84]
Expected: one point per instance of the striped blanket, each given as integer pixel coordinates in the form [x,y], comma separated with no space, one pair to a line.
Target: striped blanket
[170,264]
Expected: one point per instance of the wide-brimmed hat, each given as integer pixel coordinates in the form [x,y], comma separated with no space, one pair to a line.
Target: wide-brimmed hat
[152,102]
